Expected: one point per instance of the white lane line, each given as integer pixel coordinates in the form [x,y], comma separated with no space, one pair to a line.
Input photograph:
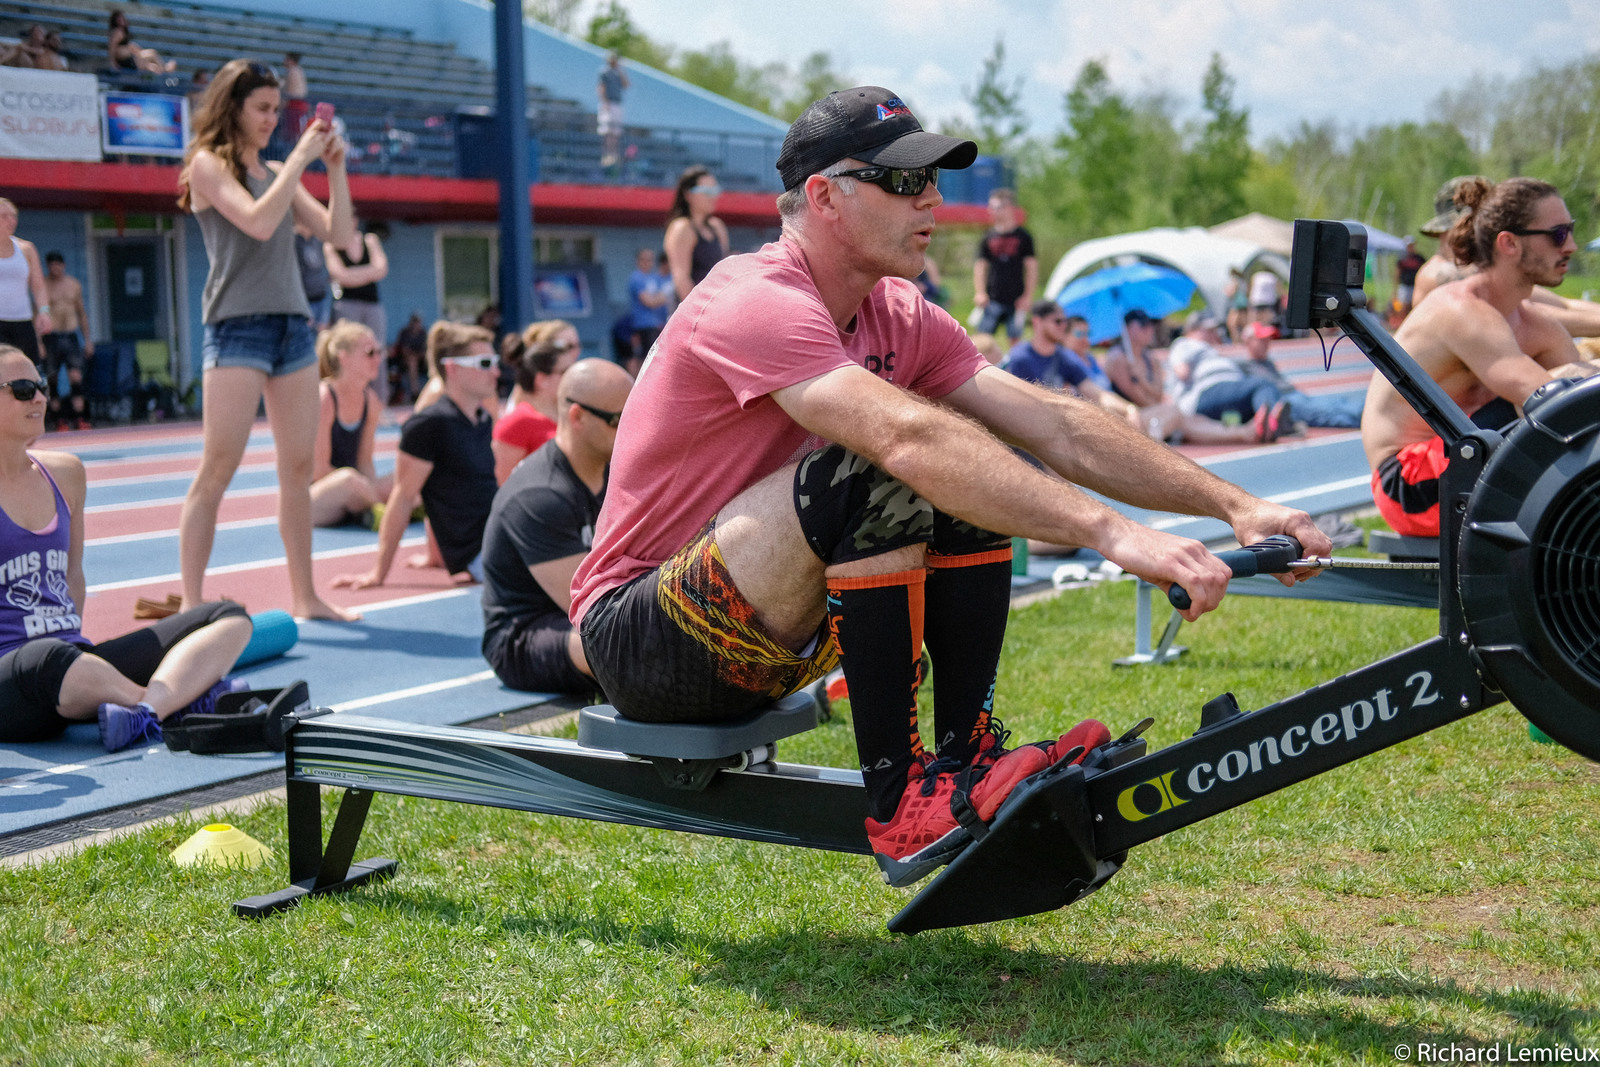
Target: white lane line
[167,501]
[414,691]
[253,565]
[156,535]
[177,476]
[1277,498]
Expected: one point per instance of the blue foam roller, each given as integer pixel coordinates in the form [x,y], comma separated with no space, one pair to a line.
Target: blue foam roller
[274,635]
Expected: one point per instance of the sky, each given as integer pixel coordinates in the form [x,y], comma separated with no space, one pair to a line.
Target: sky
[1358,63]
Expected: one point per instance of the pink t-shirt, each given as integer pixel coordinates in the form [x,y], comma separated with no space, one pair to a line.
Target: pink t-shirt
[524,427]
[700,427]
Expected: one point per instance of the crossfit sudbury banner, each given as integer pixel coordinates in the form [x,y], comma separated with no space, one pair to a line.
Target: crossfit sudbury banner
[49,115]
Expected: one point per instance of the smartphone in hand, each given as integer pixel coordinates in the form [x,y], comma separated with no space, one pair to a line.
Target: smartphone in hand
[325,113]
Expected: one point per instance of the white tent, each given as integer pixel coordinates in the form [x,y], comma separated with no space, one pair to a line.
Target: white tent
[1380,243]
[1273,234]
[1204,257]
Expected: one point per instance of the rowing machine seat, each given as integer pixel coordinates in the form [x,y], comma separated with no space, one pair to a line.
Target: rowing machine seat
[602,726]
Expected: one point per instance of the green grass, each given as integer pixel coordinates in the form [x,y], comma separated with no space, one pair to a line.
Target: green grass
[1444,891]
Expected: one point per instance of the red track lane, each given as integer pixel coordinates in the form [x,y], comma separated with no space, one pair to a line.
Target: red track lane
[110,613]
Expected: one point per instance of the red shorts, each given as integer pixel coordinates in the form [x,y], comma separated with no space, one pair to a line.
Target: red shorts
[1406,488]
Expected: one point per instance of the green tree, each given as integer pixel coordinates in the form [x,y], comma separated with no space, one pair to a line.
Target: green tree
[997,104]
[556,13]
[1099,146]
[612,28]
[1211,188]
[815,79]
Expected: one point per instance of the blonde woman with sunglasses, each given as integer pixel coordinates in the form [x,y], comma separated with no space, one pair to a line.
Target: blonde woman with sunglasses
[346,484]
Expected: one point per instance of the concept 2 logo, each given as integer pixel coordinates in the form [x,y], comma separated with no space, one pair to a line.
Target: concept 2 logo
[1156,795]
[892,107]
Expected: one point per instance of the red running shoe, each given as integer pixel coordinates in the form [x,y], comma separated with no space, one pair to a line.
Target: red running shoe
[924,833]
[1005,768]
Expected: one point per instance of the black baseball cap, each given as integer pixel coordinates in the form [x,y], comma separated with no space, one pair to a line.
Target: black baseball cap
[1136,315]
[868,123]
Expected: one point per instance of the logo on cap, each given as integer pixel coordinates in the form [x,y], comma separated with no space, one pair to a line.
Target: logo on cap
[892,107]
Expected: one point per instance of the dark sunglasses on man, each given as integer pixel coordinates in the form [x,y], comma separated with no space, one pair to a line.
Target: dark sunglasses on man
[896,180]
[1557,234]
[610,418]
[24,389]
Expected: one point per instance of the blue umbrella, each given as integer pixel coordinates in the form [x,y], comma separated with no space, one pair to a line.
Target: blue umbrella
[1108,294]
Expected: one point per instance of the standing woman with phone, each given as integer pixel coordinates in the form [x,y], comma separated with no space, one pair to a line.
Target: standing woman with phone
[258,337]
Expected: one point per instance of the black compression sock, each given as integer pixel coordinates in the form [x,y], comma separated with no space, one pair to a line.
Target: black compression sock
[877,621]
[968,599]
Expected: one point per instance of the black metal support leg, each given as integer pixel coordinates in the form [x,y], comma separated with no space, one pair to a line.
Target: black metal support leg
[314,870]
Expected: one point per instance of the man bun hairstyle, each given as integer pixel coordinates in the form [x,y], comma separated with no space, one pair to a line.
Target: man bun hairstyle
[1490,210]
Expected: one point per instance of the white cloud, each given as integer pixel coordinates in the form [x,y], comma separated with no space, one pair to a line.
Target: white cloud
[1356,63]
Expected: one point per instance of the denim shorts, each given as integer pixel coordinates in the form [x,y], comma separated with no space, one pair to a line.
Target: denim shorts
[275,345]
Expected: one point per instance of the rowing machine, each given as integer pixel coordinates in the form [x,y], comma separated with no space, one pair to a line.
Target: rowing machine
[1519,610]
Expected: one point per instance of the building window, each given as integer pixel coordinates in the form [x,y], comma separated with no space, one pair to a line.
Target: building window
[563,248]
[468,274]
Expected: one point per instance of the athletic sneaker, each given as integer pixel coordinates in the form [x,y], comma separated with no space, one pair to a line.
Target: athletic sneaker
[122,726]
[1007,767]
[924,833]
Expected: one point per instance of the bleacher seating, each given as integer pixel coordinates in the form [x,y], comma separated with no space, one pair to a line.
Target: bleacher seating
[397,94]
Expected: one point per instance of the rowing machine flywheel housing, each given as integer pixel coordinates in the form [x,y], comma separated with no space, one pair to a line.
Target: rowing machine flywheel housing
[1530,564]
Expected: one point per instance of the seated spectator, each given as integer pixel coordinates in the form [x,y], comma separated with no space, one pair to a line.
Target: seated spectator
[1343,412]
[1215,386]
[1161,420]
[345,484]
[124,53]
[540,528]
[410,360]
[539,357]
[50,674]
[444,461]
[1137,373]
[55,56]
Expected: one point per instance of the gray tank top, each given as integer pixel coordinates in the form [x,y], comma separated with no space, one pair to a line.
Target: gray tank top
[250,277]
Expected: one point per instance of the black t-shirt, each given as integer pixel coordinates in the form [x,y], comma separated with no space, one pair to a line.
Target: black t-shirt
[1408,266]
[543,512]
[461,486]
[1005,253]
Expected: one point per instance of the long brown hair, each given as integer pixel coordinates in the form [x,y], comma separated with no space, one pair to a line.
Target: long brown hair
[216,122]
[1491,210]
[686,181]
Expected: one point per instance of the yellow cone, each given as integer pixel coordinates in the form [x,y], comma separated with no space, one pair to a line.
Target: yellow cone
[222,844]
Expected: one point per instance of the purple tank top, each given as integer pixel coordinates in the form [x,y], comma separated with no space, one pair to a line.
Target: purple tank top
[34,598]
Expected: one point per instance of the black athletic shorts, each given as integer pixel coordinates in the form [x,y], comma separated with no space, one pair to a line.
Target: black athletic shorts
[532,656]
[31,674]
[681,644]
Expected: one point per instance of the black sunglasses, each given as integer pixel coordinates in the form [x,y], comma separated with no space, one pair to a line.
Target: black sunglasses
[896,180]
[610,418]
[25,389]
[1557,234]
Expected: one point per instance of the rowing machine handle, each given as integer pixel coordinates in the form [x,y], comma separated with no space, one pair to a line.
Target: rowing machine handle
[1271,556]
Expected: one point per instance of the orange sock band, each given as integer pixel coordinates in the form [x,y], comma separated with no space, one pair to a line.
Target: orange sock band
[973,559]
[880,581]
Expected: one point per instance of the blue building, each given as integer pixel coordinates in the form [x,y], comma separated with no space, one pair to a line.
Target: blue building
[415,95]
